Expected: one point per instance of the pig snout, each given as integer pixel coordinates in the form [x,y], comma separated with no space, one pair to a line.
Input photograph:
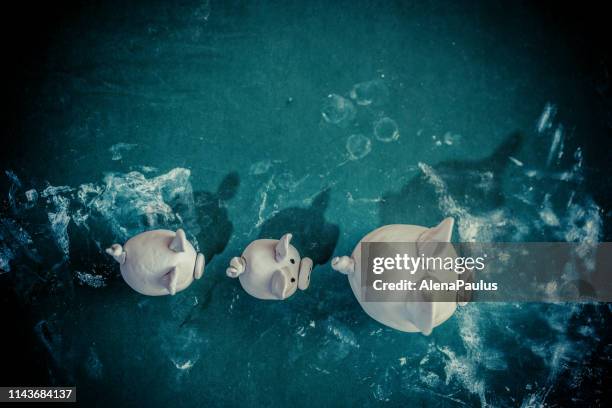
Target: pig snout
[304,273]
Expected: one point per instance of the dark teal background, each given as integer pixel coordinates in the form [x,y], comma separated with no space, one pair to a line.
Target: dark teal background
[218,108]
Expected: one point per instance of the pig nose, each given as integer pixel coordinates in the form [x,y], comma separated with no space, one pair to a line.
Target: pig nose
[198,270]
[304,274]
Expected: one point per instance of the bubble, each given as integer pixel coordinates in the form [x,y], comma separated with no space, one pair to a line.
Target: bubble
[339,342]
[338,110]
[370,93]
[385,130]
[358,146]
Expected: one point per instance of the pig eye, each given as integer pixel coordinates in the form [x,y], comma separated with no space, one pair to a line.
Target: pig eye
[292,280]
[292,260]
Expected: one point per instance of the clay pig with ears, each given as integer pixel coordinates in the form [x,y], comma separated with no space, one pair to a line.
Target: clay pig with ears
[271,269]
[417,313]
[158,262]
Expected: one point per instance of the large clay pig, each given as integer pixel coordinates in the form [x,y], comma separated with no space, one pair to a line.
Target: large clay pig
[158,262]
[271,269]
[416,314]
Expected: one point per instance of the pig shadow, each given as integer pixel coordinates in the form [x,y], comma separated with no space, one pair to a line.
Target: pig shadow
[87,249]
[312,235]
[472,184]
[212,217]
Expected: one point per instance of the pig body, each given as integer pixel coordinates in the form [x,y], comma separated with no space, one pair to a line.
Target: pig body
[415,314]
[158,262]
[271,269]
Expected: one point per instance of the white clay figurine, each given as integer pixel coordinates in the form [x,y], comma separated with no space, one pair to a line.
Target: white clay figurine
[271,269]
[158,262]
[415,314]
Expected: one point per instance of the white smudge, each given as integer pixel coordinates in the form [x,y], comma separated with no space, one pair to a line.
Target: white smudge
[13,240]
[556,145]
[131,203]
[13,177]
[6,256]
[516,161]
[287,181]
[546,118]
[339,341]
[59,221]
[461,369]
[51,191]
[80,219]
[451,138]
[471,227]
[261,218]
[148,169]
[182,364]
[31,195]
[547,215]
[352,199]
[260,167]
[94,281]
[117,149]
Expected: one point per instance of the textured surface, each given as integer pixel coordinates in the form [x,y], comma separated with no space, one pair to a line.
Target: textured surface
[240,120]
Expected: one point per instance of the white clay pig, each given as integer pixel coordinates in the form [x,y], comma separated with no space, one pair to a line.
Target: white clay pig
[271,269]
[415,314]
[158,262]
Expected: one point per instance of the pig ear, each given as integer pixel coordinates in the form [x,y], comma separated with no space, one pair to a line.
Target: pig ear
[421,312]
[179,243]
[171,277]
[279,284]
[281,249]
[440,233]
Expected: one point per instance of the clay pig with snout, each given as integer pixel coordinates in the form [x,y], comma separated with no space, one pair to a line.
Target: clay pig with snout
[158,262]
[271,269]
